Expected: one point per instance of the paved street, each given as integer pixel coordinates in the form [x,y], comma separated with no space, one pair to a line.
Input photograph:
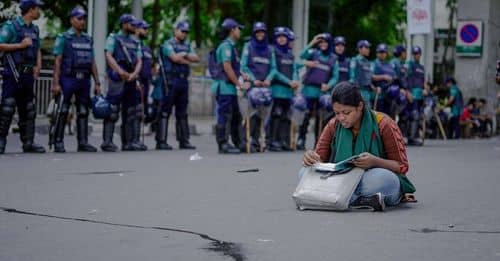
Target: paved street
[163,206]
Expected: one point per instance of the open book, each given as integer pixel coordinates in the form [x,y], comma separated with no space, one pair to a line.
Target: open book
[336,167]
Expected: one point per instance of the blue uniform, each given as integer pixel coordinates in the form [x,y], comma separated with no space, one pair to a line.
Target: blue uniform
[390,90]
[19,91]
[416,82]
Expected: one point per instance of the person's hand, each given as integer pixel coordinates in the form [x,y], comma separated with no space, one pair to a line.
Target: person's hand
[387,77]
[56,89]
[97,88]
[26,42]
[245,77]
[244,86]
[258,83]
[365,161]
[378,90]
[310,158]
[311,64]
[266,83]
[426,92]
[294,84]
[324,87]
[138,87]
[409,96]
[123,75]
[36,72]
[132,77]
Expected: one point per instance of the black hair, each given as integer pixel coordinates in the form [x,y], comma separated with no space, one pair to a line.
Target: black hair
[346,93]
[452,80]
[25,10]
[472,101]
[482,100]
[224,33]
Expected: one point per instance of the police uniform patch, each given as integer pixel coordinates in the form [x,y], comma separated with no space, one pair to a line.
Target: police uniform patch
[227,52]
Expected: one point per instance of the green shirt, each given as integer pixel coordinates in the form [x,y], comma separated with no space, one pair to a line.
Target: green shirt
[111,43]
[8,32]
[456,107]
[311,90]
[224,53]
[281,84]
[358,59]
[416,91]
[61,41]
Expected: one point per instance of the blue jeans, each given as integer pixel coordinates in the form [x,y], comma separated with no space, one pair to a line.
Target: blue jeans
[373,181]
[379,180]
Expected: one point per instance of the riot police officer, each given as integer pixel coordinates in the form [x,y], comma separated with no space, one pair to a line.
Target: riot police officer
[22,60]
[398,63]
[145,79]
[258,63]
[177,54]
[320,77]
[361,72]
[73,67]
[383,77]
[283,85]
[123,58]
[418,88]
[225,70]
[343,61]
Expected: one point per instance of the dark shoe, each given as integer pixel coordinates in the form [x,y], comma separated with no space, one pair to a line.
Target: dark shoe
[109,147]
[163,146]
[59,147]
[186,146]
[275,146]
[86,148]
[141,146]
[374,202]
[301,144]
[131,147]
[3,143]
[226,148]
[33,148]
[415,142]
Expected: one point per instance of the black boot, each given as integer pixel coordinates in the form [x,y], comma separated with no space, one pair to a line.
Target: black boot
[222,137]
[109,129]
[284,132]
[7,109]
[82,127]
[128,130]
[138,128]
[274,132]
[255,126]
[27,131]
[60,125]
[182,132]
[301,141]
[162,132]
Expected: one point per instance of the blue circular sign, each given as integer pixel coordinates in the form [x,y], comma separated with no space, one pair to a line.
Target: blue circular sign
[469,33]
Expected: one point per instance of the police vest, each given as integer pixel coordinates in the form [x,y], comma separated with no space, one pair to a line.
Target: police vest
[322,72]
[177,69]
[77,54]
[147,63]
[28,55]
[284,63]
[126,45]
[217,69]
[401,74]
[344,69]
[417,75]
[383,68]
[259,64]
[363,72]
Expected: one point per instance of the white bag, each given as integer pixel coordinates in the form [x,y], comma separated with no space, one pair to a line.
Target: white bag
[323,191]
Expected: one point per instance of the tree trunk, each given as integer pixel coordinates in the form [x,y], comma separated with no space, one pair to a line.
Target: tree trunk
[154,31]
[197,23]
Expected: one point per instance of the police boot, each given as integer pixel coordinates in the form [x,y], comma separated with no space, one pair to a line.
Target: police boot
[138,131]
[274,134]
[59,128]
[243,137]
[284,132]
[221,136]
[162,132]
[255,124]
[82,127]
[301,141]
[108,131]
[182,132]
[27,131]
[7,109]
[128,131]
[414,139]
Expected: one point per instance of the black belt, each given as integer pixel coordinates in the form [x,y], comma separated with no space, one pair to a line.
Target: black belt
[177,75]
[78,75]
[25,69]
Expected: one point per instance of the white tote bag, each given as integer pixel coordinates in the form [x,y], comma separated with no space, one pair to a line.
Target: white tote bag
[326,191]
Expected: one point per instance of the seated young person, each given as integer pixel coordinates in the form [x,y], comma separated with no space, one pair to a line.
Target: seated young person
[357,130]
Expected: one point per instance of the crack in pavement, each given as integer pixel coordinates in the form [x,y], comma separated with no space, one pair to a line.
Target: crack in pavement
[104,172]
[225,248]
[431,230]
